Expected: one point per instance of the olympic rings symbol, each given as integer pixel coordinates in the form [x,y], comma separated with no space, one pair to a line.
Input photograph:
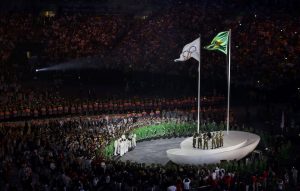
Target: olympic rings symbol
[188,53]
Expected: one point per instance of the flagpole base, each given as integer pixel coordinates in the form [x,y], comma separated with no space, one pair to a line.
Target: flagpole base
[236,145]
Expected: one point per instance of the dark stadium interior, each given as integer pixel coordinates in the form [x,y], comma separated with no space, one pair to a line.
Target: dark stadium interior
[75,75]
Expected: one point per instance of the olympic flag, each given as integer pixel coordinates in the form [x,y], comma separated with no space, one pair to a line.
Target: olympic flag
[193,50]
[190,50]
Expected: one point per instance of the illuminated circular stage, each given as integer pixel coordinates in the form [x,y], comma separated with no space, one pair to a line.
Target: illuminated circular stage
[237,144]
[179,150]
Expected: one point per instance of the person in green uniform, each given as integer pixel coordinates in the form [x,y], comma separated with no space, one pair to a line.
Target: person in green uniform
[221,138]
[213,141]
[205,145]
[200,137]
[194,140]
[217,139]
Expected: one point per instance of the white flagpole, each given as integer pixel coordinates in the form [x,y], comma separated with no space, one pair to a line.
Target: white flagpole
[228,90]
[198,127]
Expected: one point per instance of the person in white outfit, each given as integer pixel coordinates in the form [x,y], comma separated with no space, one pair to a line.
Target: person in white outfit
[125,141]
[116,147]
[186,183]
[120,146]
[129,144]
[134,140]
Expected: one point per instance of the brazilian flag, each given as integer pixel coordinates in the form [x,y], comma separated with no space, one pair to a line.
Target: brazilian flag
[219,42]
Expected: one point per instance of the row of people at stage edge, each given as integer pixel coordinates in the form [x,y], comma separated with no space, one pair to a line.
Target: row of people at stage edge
[124,144]
[176,115]
[7,112]
[114,123]
[86,136]
[208,140]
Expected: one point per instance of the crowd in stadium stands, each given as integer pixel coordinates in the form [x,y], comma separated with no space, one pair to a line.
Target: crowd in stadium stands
[263,42]
[36,105]
[45,145]
[68,36]
[66,153]
[264,46]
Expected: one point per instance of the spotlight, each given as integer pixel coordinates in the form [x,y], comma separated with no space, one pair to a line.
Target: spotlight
[36,70]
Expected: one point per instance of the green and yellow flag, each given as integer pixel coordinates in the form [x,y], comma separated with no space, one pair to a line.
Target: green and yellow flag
[219,42]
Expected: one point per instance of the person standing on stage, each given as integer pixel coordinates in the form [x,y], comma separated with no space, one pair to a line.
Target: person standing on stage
[217,140]
[194,140]
[221,138]
[205,145]
[200,137]
[134,140]
[213,140]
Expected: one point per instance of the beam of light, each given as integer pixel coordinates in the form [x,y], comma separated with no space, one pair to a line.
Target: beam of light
[76,64]
[41,69]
